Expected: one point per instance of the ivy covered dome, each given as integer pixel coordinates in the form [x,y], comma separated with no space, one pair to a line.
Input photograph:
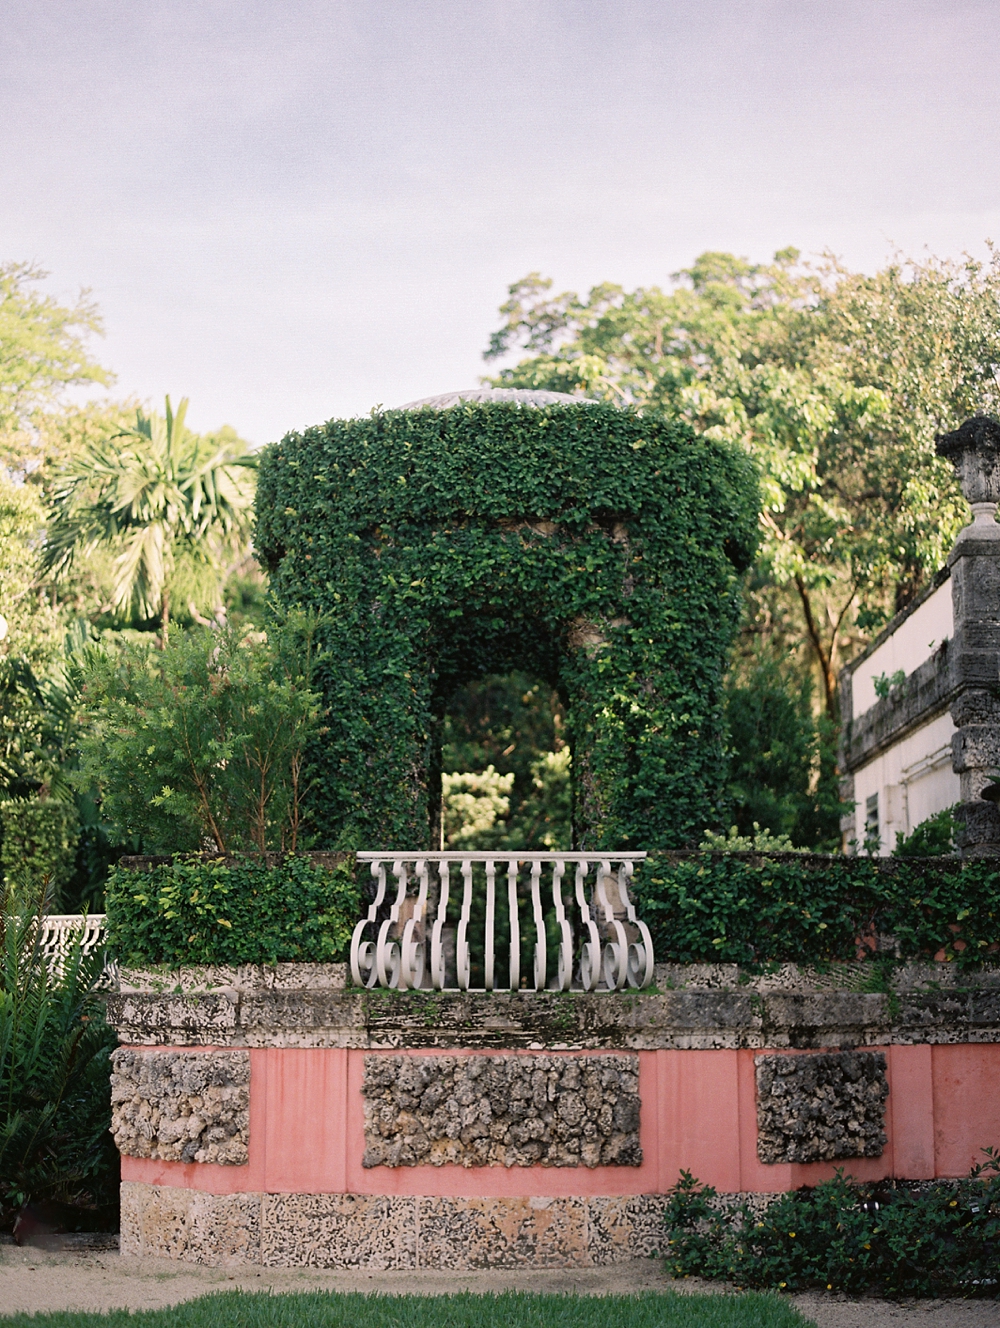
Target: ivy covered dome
[520,396]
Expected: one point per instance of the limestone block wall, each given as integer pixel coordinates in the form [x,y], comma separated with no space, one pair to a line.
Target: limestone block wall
[755,1084]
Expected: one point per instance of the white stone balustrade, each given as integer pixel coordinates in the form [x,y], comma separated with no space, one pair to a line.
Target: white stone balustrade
[437,920]
[59,930]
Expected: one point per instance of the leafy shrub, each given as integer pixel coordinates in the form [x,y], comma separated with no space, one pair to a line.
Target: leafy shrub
[755,909]
[761,841]
[931,838]
[204,740]
[55,1086]
[936,1239]
[193,911]
[472,805]
[38,838]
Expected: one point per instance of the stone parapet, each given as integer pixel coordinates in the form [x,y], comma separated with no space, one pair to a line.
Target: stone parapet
[693,1007]
[926,693]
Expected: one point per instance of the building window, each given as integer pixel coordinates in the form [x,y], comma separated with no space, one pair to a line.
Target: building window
[873,839]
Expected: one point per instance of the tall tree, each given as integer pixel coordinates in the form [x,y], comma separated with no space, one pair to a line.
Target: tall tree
[43,351]
[835,382]
[155,494]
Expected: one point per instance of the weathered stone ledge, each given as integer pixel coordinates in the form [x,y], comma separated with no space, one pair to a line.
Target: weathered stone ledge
[379,1232]
[702,1007]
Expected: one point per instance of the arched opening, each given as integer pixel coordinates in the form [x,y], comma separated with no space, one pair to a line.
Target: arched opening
[506,766]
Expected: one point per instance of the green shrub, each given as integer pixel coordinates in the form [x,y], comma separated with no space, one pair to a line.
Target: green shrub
[38,840]
[193,911]
[55,1085]
[934,1239]
[747,908]
[203,741]
[932,838]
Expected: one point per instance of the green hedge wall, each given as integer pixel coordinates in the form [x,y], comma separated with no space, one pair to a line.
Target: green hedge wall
[750,909]
[195,911]
[38,839]
[597,548]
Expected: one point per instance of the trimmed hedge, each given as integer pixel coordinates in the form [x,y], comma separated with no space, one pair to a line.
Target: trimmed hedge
[38,838]
[233,911]
[747,908]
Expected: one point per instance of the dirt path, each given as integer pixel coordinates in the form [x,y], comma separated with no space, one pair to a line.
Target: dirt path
[33,1281]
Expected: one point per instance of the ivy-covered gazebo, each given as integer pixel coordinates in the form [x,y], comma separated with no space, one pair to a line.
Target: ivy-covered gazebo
[479,532]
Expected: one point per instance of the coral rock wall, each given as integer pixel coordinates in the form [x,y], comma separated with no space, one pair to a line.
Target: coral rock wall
[182,1106]
[511,1111]
[816,1108]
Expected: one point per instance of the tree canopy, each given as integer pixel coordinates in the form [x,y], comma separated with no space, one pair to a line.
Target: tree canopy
[835,383]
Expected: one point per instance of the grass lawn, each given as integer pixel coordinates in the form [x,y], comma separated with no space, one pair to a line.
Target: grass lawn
[320,1309]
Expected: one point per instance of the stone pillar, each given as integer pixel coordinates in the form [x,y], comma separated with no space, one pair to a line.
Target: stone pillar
[974,661]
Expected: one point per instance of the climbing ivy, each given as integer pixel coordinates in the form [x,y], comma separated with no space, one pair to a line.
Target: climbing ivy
[597,548]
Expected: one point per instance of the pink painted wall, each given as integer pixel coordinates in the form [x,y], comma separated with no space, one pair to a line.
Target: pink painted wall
[698,1114]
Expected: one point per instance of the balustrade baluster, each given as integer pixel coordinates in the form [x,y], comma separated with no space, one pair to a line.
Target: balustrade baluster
[463,956]
[540,964]
[491,899]
[565,972]
[437,952]
[387,955]
[514,963]
[590,951]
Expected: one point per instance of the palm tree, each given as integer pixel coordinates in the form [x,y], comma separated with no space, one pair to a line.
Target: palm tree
[149,493]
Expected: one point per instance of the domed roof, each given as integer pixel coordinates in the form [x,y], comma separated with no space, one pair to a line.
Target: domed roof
[521,395]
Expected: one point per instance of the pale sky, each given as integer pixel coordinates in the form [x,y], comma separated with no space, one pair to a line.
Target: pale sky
[290,210]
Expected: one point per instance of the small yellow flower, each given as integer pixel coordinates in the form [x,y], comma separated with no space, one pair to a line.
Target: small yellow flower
[781,1284]
[829,1286]
[953,1204]
[792,1234]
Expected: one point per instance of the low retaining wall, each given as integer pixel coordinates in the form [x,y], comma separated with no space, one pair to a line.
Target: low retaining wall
[418,1129]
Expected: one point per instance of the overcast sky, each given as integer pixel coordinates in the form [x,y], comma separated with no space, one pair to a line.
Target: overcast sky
[295,209]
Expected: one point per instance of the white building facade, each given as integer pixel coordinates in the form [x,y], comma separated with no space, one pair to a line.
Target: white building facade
[921,706]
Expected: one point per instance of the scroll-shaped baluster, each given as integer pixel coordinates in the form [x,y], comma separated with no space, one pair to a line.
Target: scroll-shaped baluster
[541,958]
[437,948]
[616,951]
[387,955]
[463,957]
[411,947]
[590,951]
[491,903]
[564,976]
[514,965]
[363,969]
[640,954]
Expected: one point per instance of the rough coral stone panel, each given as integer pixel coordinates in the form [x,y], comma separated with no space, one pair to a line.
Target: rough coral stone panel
[817,1108]
[181,1106]
[510,1111]
[162,1221]
[339,1231]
